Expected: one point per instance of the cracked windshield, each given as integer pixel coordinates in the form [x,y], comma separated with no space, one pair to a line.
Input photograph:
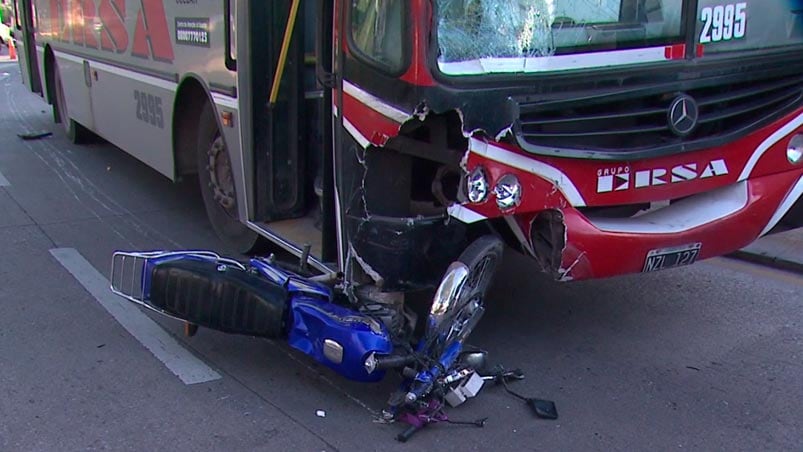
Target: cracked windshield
[515,29]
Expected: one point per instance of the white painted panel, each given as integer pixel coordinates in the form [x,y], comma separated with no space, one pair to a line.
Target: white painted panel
[113,94]
[76,93]
[683,215]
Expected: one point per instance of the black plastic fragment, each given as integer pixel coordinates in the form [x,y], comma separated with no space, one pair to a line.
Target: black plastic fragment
[408,433]
[34,135]
[545,409]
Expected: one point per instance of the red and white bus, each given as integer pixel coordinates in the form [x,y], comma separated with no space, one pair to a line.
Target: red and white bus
[379,136]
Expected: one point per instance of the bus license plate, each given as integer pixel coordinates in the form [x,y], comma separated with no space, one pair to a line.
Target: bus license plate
[678,256]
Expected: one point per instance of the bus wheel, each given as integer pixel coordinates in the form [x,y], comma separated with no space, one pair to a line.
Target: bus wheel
[218,188]
[75,132]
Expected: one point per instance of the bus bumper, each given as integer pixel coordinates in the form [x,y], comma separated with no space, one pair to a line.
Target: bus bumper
[714,223]
[572,242]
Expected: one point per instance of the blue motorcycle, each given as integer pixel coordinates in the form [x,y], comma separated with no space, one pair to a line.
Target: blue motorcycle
[316,316]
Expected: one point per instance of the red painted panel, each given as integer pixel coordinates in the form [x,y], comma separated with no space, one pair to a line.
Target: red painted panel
[374,126]
[592,253]
[151,35]
[605,254]
[113,36]
[421,20]
[585,173]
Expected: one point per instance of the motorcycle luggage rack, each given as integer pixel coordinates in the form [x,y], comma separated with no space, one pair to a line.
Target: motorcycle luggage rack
[127,276]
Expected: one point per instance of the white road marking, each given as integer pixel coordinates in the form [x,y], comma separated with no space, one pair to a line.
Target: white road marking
[3,181]
[186,366]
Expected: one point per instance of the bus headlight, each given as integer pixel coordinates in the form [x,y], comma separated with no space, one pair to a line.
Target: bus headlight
[794,152]
[477,185]
[508,192]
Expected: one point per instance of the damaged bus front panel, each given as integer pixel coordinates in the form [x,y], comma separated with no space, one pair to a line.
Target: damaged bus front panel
[599,137]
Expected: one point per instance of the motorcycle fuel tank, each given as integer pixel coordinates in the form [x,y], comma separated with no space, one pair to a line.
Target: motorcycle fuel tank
[337,337]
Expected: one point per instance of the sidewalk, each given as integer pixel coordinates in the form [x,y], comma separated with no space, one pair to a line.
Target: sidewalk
[4,54]
[783,250]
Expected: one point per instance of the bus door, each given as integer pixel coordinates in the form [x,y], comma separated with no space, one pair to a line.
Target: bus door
[282,100]
[26,44]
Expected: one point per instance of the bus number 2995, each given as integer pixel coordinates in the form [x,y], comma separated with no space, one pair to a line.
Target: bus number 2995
[149,109]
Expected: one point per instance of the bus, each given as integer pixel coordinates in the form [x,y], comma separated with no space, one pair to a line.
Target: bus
[377,138]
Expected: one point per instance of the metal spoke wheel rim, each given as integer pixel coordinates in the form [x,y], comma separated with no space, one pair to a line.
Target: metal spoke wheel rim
[475,287]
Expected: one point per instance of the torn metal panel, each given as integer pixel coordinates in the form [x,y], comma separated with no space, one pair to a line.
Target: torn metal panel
[405,253]
[565,275]
[366,267]
[548,240]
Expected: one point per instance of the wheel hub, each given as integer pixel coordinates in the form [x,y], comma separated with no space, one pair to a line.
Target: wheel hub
[221,180]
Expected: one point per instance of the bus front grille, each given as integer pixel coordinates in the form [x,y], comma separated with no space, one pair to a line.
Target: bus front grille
[633,121]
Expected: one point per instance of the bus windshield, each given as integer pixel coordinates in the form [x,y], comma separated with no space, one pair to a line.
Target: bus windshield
[492,36]
[476,29]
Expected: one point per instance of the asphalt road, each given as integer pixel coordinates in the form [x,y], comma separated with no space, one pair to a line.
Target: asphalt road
[705,357]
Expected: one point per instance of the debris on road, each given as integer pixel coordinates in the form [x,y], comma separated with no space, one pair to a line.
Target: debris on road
[34,135]
[320,413]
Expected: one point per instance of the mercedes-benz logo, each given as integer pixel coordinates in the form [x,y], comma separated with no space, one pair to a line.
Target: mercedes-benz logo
[683,115]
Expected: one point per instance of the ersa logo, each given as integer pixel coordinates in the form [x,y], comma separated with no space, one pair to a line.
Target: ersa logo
[101,25]
[621,178]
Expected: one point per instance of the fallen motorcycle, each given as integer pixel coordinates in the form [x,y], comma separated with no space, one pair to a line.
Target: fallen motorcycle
[314,314]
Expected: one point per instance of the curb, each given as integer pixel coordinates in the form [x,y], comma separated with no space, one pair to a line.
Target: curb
[761,258]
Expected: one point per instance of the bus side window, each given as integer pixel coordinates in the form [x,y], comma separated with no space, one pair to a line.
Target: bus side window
[377,32]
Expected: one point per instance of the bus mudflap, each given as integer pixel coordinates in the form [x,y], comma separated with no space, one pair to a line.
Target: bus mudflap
[203,289]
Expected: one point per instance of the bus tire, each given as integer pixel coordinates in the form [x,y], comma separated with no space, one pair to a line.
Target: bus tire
[76,133]
[217,185]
